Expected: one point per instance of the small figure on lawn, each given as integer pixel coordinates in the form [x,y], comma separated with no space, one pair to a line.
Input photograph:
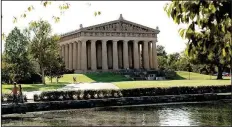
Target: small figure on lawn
[74,79]
[15,93]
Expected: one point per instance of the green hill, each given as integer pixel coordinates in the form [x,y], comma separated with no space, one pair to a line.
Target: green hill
[193,76]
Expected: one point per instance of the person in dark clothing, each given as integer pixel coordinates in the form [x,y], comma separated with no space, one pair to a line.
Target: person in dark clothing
[20,94]
[15,92]
[74,79]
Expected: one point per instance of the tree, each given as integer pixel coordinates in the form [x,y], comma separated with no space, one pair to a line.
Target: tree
[209,27]
[16,56]
[172,60]
[162,62]
[56,69]
[161,50]
[43,45]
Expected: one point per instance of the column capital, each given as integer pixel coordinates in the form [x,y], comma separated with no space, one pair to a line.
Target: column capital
[146,41]
[93,41]
[104,41]
[125,40]
[83,40]
[115,40]
[136,41]
[155,40]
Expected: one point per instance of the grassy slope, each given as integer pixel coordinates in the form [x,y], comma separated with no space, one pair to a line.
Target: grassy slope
[182,79]
[195,80]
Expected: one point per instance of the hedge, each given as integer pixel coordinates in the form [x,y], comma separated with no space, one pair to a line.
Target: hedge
[97,94]
[76,95]
[8,98]
[175,90]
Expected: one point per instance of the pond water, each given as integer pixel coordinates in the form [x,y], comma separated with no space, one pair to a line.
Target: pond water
[196,114]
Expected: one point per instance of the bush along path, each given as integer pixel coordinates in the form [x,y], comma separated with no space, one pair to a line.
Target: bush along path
[56,100]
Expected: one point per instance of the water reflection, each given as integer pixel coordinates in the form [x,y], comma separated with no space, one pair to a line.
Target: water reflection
[213,114]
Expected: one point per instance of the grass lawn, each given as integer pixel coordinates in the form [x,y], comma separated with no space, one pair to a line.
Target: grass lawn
[170,83]
[66,79]
[122,82]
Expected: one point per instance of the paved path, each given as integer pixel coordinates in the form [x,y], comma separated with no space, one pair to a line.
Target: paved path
[78,86]
[89,86]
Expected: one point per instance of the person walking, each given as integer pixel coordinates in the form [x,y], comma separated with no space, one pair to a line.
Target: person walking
[20,94]
[74,79]
[15,92]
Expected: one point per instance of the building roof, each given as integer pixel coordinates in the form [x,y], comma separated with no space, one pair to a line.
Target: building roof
[125,25]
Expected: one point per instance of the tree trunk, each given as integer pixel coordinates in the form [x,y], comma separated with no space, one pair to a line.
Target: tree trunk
[43,77]
[231,74]
[219,76]
[51,74]
[57,80]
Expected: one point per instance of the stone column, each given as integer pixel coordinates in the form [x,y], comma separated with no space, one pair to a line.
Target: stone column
[74,56]
[125,55]
[62,50]
[115,55]
[83,55]
[140,58]
[155,62]
[151,65]
[93,55]
[136,54]
[145,55]
[79,55]
[104,55]
[70,56]
[66,56]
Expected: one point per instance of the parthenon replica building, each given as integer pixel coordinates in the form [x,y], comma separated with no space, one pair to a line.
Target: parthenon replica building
[114,45]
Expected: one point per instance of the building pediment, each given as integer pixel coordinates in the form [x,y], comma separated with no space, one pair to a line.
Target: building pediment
[116,28]
[120,26]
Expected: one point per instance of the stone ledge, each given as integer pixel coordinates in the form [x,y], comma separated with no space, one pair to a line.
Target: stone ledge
[123,101]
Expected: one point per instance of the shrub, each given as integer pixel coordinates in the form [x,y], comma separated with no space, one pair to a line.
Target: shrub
[76,95]
[33,79]
[174,91]
[9,98]
[136,92]
[169,74]
[67,71]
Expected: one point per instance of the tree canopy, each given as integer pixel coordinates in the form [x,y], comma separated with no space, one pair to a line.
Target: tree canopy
[16,56]
[209,29]
[43,45]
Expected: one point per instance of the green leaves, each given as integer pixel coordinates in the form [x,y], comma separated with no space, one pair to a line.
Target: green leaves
[3,36]
[182,32]
[97,13]
[17,55]
[23,15]
[212,8]
[14,19]
[56,19]
[46,3]
[64,6]
[30,8]
[211,17]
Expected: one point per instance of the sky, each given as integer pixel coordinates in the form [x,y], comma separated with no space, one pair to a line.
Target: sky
[147,13]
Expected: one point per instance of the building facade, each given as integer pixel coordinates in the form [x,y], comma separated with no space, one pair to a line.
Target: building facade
[114,45]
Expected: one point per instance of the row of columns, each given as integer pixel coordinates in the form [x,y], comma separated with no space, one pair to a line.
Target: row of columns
[75,55]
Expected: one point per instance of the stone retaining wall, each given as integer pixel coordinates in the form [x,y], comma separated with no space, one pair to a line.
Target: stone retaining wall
[75,104]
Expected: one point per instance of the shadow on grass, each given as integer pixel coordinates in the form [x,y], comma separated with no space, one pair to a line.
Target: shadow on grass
[107,77]
[178,77]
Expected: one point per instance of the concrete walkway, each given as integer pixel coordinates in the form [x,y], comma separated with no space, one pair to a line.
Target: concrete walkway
[89,86]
